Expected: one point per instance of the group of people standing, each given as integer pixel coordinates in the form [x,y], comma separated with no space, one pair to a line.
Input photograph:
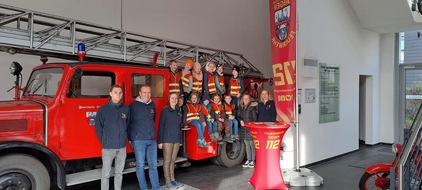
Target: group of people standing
[116,123]
[197,99]
[212,103]
[207,102]
[204,83]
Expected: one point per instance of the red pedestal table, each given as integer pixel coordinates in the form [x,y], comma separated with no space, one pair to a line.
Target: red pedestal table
[268,138]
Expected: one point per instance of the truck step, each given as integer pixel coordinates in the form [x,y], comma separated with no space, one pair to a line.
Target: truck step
[95,174]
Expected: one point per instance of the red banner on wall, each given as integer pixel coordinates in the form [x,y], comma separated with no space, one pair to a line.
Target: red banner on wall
[283,48]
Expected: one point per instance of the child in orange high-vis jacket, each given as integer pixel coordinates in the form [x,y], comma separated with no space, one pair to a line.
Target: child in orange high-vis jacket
[192,115]
[231,109]
[209,114]
[220,116]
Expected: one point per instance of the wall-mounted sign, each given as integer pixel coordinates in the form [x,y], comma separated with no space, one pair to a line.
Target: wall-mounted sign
[329,93]
[310,95]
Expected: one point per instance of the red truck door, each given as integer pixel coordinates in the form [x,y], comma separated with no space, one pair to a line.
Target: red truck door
[157,79]
[77,116]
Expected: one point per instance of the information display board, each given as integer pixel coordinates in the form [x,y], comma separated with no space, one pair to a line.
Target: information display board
[329,93]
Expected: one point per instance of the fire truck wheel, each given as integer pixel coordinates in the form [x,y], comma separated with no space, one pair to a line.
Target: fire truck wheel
[215,161]
[19,171]
[231,154]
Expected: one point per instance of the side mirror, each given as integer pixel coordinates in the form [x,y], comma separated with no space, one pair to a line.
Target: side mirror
[78,73]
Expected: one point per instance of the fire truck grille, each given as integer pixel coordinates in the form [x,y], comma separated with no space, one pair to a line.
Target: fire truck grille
[13,125]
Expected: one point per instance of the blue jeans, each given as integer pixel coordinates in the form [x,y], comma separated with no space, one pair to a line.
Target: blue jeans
[148,149]
[236,101]
[212,127]
[235,125]
[199,128]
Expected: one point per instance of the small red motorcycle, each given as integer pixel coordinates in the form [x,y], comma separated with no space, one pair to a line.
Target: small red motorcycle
[377,175]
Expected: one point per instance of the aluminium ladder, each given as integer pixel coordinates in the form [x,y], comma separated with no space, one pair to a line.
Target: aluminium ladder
[36,33]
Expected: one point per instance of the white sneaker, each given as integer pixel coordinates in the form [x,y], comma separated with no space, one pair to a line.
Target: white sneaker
[251,164]
[246,164]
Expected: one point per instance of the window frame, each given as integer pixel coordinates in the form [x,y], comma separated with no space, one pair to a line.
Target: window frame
[78,87]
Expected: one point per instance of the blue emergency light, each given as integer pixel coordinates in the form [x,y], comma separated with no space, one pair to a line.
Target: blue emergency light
[81,51]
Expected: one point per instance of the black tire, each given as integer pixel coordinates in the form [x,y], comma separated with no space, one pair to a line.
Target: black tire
[23,171]
[367,181]
[231,154]
[215,161]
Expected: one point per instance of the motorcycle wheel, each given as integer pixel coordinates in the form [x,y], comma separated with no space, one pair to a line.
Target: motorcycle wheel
[374,181]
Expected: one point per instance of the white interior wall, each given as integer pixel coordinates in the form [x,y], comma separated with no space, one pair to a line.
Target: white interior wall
[336,38]
[387,98]
[103,12]
[370,127]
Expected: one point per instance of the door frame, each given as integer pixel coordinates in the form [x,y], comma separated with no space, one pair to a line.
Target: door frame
[402,98]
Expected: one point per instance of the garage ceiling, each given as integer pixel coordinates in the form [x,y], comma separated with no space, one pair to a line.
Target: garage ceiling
[386,16]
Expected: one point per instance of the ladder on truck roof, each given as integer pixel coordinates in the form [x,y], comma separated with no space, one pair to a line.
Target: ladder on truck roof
[32,32]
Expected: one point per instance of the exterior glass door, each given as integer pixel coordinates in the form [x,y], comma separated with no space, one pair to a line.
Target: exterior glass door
[413,92]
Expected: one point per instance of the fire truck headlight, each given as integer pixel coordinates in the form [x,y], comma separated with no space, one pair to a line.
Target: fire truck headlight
[15,68]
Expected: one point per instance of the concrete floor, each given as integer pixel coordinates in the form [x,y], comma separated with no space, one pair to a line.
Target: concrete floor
[337,173]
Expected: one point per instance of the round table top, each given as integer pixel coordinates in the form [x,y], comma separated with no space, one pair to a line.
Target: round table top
[267,125]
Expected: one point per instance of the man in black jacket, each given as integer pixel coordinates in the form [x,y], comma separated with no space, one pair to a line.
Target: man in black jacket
[142,136]
[111,129]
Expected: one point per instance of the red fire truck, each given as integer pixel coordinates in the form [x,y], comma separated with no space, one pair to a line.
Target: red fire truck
[47,134]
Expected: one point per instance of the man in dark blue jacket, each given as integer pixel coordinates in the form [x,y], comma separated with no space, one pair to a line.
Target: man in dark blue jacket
[111,129]
[142,136]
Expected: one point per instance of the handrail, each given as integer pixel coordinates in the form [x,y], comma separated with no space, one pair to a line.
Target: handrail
[410,159]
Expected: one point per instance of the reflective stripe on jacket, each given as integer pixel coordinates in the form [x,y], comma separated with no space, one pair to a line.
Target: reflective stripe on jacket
[174,82]
[185,80]
[211,84]
[234,87]
[197,85]
[193,112]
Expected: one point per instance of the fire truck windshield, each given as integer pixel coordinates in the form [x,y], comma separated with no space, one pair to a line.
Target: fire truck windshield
[44,82]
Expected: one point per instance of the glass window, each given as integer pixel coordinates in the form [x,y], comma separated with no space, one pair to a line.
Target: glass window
[413,94]
[401,47]
[156,82]
[44,82]
[92,84]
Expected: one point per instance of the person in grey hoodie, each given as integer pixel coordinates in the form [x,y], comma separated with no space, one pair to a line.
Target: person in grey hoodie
[142,136]
[111,129]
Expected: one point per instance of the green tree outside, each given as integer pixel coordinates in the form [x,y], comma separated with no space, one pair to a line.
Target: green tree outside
[412,105]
